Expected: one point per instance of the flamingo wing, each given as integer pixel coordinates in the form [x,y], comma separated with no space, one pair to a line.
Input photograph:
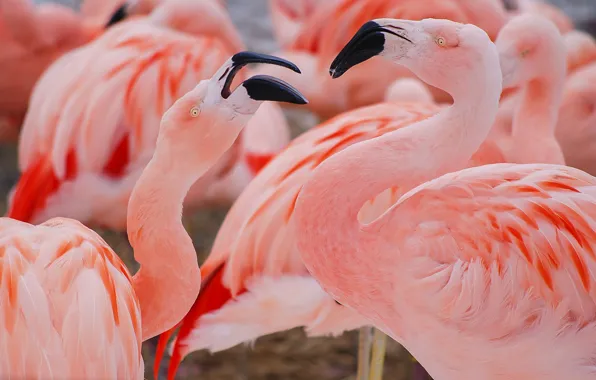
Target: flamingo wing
[67,305]
[124,82]
[503,236]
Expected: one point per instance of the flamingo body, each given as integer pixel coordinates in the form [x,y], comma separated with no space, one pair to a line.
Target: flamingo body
[32,37]
[68,306]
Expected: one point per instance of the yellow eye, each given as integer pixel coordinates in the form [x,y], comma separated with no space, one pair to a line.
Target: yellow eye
[525,52]
[441,41]
[194,111]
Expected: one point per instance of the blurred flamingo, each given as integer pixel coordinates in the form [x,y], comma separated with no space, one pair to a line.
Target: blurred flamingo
[322,35]
[289,16]
[64,285]
[576,129]
[83,148]
[541,8]
[580,49]
[32,37]
[98,10]
[496,259]
[254,264]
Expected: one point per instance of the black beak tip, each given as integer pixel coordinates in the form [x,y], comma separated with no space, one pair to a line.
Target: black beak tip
[267,88]
[336,73]
[368,42]
[120,14]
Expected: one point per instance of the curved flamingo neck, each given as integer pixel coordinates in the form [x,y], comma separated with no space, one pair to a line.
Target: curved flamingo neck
[333,246]
[169,279]
[537,113]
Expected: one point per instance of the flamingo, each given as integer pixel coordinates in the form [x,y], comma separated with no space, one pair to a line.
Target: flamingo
[253,264]
[95,114]
[32,37]
[322,36]
[70,308]
[575,128]
[289,16]
[98,10]
[541,8]
[496,260]
[580,48]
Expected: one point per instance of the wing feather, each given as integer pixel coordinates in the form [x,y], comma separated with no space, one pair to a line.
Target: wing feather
[68,308]
[480,235]
[116,86]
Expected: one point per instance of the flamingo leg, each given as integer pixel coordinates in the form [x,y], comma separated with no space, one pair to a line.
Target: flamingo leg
[364,347]
[378,355]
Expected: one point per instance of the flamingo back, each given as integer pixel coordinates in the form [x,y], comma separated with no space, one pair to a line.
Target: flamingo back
[501,257]
[68,306]
[100,122]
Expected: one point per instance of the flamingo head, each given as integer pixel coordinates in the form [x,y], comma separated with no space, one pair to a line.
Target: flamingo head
[442,53]
[207,120]
[527,45]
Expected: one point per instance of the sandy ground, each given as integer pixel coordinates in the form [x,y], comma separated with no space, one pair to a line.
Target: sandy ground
[286,355]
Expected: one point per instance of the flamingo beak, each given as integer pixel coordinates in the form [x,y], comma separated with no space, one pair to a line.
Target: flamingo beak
[121,13]
[368,42]
[263,87]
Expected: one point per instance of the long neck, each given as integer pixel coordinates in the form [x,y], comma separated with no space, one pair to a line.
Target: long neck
[536,114]
[169,279]
[329,234]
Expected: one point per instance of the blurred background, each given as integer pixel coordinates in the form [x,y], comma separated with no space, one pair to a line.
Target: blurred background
[286,355]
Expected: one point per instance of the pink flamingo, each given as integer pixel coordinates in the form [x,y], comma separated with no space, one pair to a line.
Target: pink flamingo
[95,117]
[580,48]
[289,16]
[496,260]
[254,264]
[531,61]
[32,37]
[576,130]
[577,117]
[544,9]
[62,284]
[319,41]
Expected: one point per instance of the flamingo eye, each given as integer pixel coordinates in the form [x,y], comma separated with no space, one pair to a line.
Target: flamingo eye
[525,53]
[441,41]
[194,111]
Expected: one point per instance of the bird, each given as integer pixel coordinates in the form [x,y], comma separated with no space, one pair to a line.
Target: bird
[577,118]
[319,41]
[580,49]
[530,49]
[574,129]
[253,261]
[288,17]
[32,37]
[70,308]
[544,9]
[95,114]
[496,260]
